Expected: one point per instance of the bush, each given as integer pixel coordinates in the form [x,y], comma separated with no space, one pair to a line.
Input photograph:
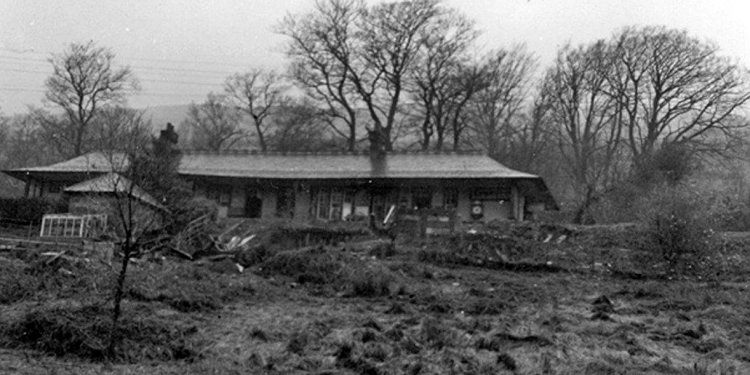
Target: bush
[26,273]
[15,282]
[30,209]
[83,331]
[313,265]
[186,287]
[370,283]
[192,209]
[678,230]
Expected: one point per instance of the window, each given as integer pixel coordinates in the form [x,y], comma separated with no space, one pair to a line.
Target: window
[221,194]
[66,225]
[498,193]
[421,198]
[337,201]
[450,197]
[285,202]
[324,203]
[403,199]
[328,203]
[54,188]
[225,196]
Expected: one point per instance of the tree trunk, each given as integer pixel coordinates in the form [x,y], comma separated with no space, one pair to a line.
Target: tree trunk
[119,292]
[583,214]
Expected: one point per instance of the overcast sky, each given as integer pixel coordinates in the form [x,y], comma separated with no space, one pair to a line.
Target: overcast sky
[181,50]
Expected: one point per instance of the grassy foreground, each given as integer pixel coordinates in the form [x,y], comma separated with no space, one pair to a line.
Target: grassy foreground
[586,305]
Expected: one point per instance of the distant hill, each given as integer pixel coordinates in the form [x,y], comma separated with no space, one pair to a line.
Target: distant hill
[161,115]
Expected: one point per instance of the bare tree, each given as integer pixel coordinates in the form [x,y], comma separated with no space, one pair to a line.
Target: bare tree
[299,126]
[675,89]
[120,195]
[26,146]
[322,52]
[115,126]
[214,124]
[350,54]
[442,76]
[589,128]
[495,115]
[390,45]
[256,93]
[84,79]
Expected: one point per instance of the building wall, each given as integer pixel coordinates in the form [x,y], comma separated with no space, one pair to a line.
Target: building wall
[302,202]
[237,204]
[463,210]
[145,217]
[493,209]
[269,203]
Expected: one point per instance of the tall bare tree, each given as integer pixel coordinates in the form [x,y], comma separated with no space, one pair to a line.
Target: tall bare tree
[352,55]
[299,126]
[442,78]
[214,124]
[589,126]
[322,52]
[26,146]
[84,79]
[115,126]
[675,89]
[127,185]
[255,94]
[390,47]
[495,115]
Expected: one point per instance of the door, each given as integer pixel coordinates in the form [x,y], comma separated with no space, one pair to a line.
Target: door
[253,204]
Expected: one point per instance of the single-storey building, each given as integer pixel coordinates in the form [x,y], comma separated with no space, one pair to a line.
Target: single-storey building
[107,199]
[332,186]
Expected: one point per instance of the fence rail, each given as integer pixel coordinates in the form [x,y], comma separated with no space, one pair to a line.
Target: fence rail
[18,228]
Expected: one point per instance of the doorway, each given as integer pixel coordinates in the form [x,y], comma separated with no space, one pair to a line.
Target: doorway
[253,204]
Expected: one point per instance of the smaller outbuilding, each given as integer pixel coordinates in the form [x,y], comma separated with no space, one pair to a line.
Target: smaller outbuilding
[115,196]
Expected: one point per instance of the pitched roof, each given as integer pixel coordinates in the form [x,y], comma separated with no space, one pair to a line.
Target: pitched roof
[113,183]
[93,162]
[346,166]
[313,166]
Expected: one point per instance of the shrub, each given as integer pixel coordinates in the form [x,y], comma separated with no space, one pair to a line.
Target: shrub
[677,229]
[83,331]
[308,265]
[15,282]
[369,283]
[192,209]
[30,209]
[186,287]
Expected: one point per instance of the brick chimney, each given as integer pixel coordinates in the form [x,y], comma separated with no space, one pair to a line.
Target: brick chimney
[377,152]
[377,144]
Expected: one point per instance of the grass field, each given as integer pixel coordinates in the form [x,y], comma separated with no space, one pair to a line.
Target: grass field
[589,304]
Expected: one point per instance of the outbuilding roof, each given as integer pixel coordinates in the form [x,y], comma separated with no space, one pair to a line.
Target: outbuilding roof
[93,162]
[113,183]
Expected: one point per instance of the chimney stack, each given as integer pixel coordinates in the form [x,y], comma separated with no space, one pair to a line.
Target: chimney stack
[377,144]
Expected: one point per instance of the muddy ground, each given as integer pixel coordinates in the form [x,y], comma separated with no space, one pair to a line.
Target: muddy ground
[590,303]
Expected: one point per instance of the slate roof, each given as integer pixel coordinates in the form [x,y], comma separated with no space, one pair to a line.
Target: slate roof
[93,162]
[314,166]
[346,166]
[113,183]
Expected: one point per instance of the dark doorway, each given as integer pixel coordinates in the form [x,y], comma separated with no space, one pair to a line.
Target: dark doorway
[253,204]
[421,198]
